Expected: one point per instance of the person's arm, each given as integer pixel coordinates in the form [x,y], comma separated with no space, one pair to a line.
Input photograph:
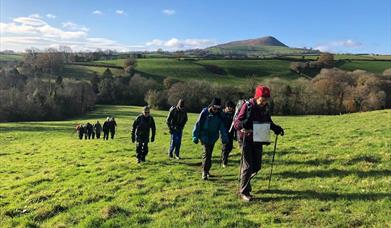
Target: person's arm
[135,124]
[274,127]
[197,126]
[153,128]
[169,118]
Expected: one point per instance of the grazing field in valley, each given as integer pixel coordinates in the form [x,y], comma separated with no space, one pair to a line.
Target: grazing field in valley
[329,171]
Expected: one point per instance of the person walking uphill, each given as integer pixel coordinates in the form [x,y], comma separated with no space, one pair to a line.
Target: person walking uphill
[210,122]
[97,128]
[255,111]
[106,126]
[112,126]
[143,124]
[176,120]
[227,148]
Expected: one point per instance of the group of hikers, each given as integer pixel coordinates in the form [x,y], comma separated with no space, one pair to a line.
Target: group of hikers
[213,122]
[240,121]
[89,131]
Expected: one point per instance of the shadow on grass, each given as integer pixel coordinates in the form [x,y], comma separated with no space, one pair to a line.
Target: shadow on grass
[334,173]
[310,194]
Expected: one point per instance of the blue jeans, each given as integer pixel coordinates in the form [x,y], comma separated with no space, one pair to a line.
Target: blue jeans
[175,143]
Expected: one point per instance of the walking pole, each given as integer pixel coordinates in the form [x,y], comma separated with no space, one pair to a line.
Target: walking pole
[274,153]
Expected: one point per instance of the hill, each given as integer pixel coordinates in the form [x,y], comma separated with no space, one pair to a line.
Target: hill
[329,171]
[264,41]
[265,46]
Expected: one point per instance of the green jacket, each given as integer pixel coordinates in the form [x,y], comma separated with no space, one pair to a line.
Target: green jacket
[208,127]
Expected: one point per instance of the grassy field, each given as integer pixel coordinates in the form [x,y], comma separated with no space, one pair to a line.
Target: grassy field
[10,57]
[371,66]
[329,171]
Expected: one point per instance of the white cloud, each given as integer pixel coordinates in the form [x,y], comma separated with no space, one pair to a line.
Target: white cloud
[28,21]
[176,44]
[338,45]
[97,12]
[73,26]
[27,32]
[51,16]
[35,15]
[120,12]
[169,12]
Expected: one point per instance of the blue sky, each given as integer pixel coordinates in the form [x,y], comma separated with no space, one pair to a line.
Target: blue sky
[335,25]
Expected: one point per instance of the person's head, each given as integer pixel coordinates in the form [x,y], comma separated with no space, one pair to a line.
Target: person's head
[262,95]
[146,111]
[97,121]
[215,105]
[229,106]
[181,104]
[108,118]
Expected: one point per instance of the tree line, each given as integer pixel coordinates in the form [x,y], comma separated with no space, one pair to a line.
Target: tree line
[35,90]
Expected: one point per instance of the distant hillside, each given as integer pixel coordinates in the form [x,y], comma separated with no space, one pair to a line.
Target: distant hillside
[264,41]
[264,46]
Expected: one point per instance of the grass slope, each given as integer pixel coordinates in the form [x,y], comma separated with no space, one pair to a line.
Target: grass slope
[253,50]
[329,171]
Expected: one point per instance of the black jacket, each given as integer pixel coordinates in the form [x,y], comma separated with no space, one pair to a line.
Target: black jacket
[141,128]
[176,118]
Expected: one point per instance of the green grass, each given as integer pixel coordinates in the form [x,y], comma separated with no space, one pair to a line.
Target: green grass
[10,57]
[236,71]
[87,72]
[260,50]
[370,66]
[329,171]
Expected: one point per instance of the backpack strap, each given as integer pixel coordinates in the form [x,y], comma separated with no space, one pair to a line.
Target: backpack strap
[249,108]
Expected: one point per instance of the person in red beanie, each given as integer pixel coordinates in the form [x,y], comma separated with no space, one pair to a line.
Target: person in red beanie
[254,111]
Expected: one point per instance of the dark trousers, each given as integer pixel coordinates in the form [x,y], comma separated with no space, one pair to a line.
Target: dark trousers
[89,135]
[98,135]
[207,157]
[112,133]
[250,162]
[105,135]
[141,150]
[226,149]
[175,143]
[80,135]
[93,135]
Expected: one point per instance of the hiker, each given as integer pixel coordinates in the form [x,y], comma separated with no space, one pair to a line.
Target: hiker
[106,129]
[227,148]
[210,122]
[80,129]
[176,120]
[90,129]
[112,125]
[143,124]
[97,128]
[254,111]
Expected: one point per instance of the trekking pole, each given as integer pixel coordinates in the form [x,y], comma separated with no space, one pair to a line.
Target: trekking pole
[274,153]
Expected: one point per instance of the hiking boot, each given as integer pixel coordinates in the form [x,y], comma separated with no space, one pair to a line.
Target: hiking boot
[177,157]
[224,165]
[204,176]
[246,197]
[170,156]
[138,161]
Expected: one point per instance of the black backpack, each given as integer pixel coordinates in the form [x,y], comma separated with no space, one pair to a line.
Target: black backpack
[237,110]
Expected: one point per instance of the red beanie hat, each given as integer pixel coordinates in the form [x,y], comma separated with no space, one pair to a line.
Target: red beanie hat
[262,91]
